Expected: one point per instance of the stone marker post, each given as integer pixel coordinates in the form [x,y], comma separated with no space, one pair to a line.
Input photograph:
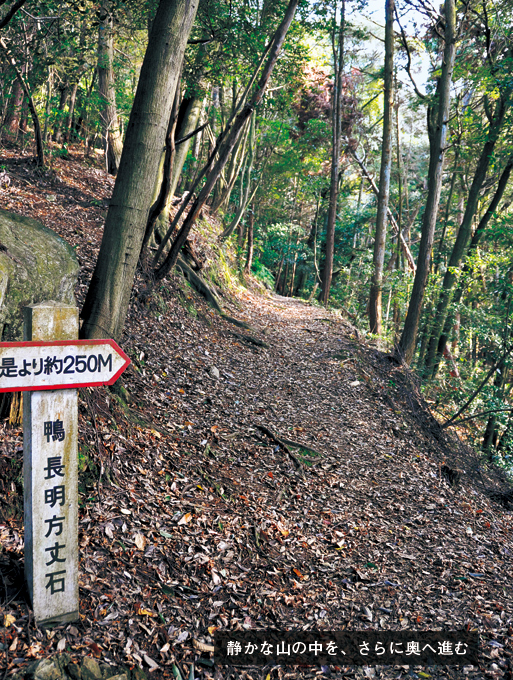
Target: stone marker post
[50,452]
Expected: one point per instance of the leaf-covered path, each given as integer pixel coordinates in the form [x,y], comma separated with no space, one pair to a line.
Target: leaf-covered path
[192,517]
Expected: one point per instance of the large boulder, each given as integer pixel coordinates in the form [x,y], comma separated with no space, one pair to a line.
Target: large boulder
[35,265]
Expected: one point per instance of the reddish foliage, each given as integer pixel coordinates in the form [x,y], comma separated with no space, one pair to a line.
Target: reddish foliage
[314,101]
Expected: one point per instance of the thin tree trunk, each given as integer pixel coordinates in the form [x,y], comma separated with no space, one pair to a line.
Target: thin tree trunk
[188,118]
[251,242]
[375,312]
[293,276]
[400,235]
[233,171]
[196,152]
[399,177]
[71,112]
[438,121]
[241,240]
[277,281]
[481,227]
[282,284]
[245,190]
[108,297]
[48,104]
[464,233]
[82,126]
[12,120]
[338,66]
[111,135]
[163,183]
[24,117]
[438,258]
[35,119]
[63,98]
[228,143]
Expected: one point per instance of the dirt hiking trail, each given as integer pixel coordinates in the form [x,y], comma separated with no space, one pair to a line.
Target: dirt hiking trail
[199,508]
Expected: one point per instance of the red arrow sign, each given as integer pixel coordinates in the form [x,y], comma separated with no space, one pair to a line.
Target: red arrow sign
[59,365]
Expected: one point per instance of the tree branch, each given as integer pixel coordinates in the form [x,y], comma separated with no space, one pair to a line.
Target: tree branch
[37,128]
[469,401]
[7,18]
[481,413]
[395,226]
[408,54]
[191,134]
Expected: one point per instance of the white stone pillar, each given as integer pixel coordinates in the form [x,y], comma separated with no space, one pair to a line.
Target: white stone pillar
[50,457]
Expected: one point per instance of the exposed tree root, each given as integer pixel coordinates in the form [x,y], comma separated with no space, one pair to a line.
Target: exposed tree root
[250,339]
[199,285]
[236,322]
[280,441]
[300,445]
[291,442]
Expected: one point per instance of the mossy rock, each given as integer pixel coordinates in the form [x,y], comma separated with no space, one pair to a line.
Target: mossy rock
[36,265]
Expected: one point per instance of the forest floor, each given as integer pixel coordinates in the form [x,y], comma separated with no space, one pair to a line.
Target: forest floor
[192,518]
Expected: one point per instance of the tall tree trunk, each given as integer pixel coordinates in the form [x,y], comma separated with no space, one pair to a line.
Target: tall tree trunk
[283,283]
[71,112]
[188,122]
[112,142]
[163,183]
[233,171]
[403,244]
[464,232]
[400,179]
[293,275]
[48,103]
[30,102]
[439,255]
[481,227]
[245,197]
[438,121]
[82,125]
[338,66]
[277,281]
[107,299]
[228,143]
[375,312]
[63,98]
[12,120]
[251,242]
[196,152]
[24,116]
[188,117]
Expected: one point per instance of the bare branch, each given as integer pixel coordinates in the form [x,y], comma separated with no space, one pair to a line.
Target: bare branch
[370,101]
[191,134]
[450,421]
[408,54]
[481,413]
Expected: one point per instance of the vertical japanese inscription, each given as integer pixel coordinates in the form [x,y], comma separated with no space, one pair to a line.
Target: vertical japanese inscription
[50,423]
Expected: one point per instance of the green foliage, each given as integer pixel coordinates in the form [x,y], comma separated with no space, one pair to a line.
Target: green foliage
[292,156]
[261,272]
